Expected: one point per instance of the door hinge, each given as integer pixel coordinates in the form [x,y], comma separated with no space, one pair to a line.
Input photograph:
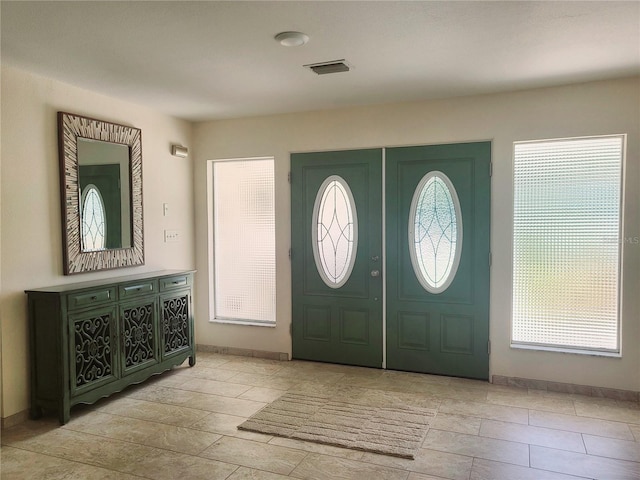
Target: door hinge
[291,329]
[289,177]
[490,259]
[290,254]
[490,169]
[489,347]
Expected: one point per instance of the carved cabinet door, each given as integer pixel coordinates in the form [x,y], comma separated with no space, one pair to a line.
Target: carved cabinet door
[176,323]
[93,338]
[138,335]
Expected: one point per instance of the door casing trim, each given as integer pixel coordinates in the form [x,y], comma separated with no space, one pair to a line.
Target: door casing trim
[384,259]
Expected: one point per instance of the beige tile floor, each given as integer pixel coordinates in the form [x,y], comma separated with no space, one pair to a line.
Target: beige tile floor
[182,425]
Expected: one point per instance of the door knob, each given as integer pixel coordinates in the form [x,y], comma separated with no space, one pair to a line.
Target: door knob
[375,273]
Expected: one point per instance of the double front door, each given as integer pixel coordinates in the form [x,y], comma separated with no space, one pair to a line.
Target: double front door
[390,258]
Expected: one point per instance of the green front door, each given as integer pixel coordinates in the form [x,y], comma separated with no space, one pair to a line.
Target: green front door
[437,240]
[336,222]
[437,205]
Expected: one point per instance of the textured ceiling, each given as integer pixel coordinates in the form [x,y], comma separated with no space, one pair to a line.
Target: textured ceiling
[209,60]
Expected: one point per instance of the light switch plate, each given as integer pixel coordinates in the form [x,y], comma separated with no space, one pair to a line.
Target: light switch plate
[171,236]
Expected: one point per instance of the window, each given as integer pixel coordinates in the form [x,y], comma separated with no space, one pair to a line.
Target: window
[566,244]
[435,232]
[94,225]
[334,231]
[244,241]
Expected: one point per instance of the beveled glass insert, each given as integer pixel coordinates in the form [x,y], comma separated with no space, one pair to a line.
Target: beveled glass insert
[334,231]
[435,232]
[94,226]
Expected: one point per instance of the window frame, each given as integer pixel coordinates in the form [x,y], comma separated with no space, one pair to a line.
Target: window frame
[318,257]
[416,263]
[617,353]
[211,246]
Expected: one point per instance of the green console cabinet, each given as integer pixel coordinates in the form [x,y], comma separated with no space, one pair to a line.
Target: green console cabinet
[89,340]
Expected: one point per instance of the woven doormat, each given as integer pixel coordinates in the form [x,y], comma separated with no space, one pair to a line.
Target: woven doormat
[396,430]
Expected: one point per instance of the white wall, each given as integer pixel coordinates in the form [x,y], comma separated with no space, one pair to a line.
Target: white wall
[576,110]
[31,239]
[31,254]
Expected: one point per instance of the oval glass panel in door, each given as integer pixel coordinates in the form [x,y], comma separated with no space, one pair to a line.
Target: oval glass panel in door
[435,232]
[94,224]
[334,231]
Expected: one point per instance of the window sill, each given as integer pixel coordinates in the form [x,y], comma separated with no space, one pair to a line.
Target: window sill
[545,348]
[250,323]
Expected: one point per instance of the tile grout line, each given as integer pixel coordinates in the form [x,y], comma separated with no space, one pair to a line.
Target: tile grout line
[73,461]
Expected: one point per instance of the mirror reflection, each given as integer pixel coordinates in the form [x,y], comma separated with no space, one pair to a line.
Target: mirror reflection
[105,195]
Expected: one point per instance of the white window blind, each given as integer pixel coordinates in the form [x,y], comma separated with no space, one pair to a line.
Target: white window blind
[566,240]
[244,241]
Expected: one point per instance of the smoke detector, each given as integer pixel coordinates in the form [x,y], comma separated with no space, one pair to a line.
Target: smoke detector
[292,39]
[333,66]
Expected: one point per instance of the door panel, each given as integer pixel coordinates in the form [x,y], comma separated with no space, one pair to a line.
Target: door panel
[402,180]
[140,338]
[93,336]
[177,323]
[344,324]
[447,332]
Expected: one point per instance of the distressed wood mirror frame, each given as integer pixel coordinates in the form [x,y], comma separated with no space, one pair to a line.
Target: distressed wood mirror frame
[75,260]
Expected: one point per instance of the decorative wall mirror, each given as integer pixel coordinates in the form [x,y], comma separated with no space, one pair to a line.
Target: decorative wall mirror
[101,192]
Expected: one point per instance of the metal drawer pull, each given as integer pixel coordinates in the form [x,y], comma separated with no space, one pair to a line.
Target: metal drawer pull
[137,288]
[88,298]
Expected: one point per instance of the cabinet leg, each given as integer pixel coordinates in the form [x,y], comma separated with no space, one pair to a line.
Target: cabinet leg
[192,360]
[63,415]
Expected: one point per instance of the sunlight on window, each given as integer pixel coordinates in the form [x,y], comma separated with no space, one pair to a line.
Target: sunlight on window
[244,240]
[566,240]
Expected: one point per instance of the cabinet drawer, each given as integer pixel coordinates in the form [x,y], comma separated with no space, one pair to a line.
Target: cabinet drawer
[136,289]
[176,281]
[93,297]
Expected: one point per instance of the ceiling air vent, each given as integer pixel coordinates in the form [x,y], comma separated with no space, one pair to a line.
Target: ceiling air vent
[334,66]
